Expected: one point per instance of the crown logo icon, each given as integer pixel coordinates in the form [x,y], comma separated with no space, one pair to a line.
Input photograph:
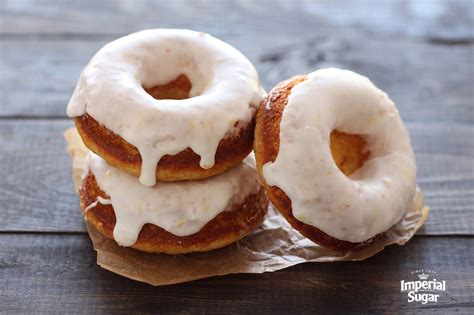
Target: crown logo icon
[423,276]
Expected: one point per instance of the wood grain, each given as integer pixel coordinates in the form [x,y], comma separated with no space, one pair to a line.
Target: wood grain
[420,52]
[430,80]
[36,191]
[51,271]
[439,19]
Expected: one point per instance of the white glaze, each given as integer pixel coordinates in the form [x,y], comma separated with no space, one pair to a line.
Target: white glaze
[225,90]
[181,208]
[374,197]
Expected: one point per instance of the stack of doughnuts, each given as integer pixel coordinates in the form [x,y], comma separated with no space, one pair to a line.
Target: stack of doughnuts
[170,117]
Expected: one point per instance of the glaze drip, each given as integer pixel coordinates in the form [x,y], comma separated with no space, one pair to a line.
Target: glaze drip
[225,90]
[181,208]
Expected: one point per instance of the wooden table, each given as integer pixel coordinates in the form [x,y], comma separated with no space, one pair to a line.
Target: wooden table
[420,52]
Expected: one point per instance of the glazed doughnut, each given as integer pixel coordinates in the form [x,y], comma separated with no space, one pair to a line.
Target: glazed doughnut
[335,157]
[167,104]
[172,218]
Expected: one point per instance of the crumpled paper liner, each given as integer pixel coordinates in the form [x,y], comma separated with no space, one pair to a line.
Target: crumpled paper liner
[274,246]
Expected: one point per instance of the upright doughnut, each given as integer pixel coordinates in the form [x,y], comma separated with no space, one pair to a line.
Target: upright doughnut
[335,157]
[180,100]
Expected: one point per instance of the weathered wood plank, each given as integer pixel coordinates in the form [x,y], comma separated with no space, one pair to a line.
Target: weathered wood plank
[428,82]
[44,273]
[36,191]
[430,18]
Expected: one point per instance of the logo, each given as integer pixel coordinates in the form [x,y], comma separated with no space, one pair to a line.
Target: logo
[425,288]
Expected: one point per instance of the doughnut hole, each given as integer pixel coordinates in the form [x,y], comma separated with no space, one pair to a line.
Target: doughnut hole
[178,89]
[348,151]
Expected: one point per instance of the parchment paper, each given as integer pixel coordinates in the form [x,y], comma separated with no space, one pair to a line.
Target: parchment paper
[274,246]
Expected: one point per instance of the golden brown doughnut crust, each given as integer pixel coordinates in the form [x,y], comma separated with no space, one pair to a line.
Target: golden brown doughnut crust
[347,150]
[181,166]
[226,228]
